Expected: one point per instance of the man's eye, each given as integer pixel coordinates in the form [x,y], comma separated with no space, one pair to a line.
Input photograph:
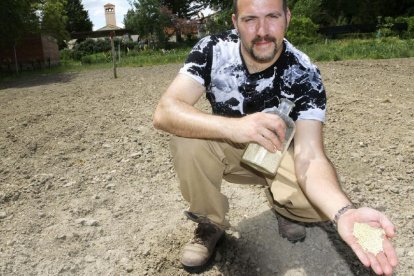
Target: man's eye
[248,19]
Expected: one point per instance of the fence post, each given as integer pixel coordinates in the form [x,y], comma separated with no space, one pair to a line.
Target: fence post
[119,52]
[113,52]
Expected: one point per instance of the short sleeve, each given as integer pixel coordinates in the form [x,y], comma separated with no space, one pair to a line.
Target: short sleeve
[198,62]
[312,104]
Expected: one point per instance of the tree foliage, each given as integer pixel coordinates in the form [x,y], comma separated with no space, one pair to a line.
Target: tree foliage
[182,8]
[342,12]
[57,18]
[17,17]
[149,19]
[54,19]
[302,30]
[220,22]
[78,17]
[308,8]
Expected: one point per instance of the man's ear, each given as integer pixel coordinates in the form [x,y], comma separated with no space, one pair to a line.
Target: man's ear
[234,19]
[288,17]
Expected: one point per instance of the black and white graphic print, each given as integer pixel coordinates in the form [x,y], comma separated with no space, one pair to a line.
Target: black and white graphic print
[216,62]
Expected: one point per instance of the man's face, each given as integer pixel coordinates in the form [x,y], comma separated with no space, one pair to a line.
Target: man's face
[262,25]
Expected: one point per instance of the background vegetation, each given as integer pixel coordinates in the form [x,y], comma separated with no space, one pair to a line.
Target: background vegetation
[156,20]
[58,18]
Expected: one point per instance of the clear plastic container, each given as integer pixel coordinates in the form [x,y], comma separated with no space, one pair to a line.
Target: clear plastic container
[260,158]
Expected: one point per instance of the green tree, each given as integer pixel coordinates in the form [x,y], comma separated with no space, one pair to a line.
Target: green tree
[307,8]
[302,31]
[218,5]
[78,17]
[54,19]
[181,8]
[219,22]
[340,12]
[149,19]
[17,17]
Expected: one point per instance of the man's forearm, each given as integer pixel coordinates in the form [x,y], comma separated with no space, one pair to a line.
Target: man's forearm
[184,120]
[320,184]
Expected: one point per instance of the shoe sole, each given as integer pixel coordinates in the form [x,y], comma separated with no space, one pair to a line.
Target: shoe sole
[203,267]
[294,240]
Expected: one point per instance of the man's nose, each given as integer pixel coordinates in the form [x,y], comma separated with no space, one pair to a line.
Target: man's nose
[262,28]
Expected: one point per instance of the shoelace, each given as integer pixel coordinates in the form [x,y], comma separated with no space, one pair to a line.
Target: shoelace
[203,233]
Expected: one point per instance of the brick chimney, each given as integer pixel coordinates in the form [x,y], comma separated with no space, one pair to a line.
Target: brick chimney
[110,14]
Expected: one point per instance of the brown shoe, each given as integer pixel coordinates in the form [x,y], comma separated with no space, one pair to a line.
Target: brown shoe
[291,230]
[196,254]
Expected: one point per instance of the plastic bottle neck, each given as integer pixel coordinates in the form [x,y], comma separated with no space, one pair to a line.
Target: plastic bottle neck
[285,106]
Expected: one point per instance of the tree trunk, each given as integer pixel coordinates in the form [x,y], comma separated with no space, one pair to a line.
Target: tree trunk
[15,58]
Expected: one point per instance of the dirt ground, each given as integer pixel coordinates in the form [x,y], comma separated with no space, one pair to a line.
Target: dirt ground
[87,185]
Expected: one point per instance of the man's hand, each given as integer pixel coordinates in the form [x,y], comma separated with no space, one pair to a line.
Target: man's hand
[385,261]
[262,128]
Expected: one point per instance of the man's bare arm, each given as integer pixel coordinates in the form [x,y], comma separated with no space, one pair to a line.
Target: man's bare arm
[176,114]
[314,171]
[318,179]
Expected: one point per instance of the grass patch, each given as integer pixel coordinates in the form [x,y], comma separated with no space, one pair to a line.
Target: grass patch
[329,50]
[355,49]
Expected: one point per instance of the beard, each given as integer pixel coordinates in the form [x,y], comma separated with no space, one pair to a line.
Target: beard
[263,57]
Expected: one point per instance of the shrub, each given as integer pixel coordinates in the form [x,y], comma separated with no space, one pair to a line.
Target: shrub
[99,58]
[66,54]
[387,28]
[409,33]
[219,22]
[302,31]
[87,46]
[86,60]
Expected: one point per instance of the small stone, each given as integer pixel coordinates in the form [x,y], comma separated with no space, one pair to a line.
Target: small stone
[395,190]
[61,237]
[146,251]
[135,155]
[87,222]
[69,184]
[3,215]
[89,259]
[356,190]
[110,186]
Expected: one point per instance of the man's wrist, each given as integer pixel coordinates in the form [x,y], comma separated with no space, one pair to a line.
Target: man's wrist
[340,212]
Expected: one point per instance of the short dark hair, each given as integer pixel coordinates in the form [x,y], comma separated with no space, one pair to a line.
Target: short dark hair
[235,6]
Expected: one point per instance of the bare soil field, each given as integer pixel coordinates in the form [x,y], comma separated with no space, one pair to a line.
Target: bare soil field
[87,185]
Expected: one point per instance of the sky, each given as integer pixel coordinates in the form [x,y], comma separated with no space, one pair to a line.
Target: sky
[95,9]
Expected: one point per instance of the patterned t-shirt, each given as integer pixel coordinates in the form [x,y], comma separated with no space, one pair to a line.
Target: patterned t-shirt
[216,62]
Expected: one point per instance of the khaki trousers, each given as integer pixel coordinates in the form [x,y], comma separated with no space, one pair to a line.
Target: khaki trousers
[202,164]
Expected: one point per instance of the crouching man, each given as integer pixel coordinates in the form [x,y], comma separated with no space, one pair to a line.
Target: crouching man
[242,72]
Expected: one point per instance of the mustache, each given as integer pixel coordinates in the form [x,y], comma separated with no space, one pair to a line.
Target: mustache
[266,38]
